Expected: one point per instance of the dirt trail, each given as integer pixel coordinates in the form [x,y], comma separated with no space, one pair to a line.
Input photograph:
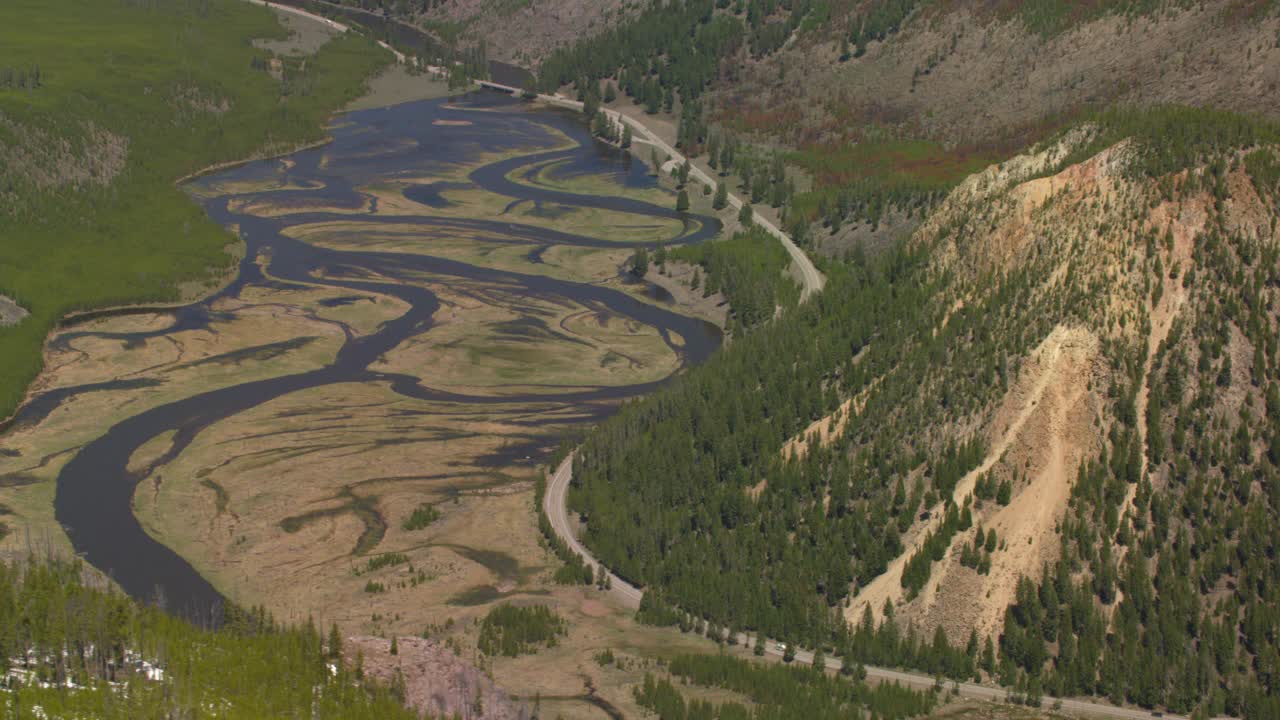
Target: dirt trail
[1018,408]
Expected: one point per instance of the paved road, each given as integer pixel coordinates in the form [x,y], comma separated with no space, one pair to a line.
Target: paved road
[628,595]
[812,281]
[556,509]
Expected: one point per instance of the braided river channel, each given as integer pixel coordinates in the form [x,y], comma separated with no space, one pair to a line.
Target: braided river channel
[435,296]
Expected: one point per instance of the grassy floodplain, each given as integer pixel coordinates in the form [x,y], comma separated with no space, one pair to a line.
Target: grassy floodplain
[132,96]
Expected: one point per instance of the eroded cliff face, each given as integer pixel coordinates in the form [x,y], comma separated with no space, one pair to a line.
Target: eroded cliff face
[1110,261]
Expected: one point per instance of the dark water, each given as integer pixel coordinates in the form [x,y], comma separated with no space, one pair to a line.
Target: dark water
[95,489]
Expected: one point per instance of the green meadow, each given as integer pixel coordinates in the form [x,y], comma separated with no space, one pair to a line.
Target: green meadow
[104,104]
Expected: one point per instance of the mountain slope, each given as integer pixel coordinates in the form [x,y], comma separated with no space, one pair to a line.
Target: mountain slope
[968,84]
[1002,361]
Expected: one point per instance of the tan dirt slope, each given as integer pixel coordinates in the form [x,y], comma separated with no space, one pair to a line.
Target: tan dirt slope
[1044,421]
[1051,430]
[1115,253]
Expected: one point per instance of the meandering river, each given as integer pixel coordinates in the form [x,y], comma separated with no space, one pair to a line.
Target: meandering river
[96,488]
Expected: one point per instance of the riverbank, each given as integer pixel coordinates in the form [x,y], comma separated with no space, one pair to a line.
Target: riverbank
[128,236]
[811,280]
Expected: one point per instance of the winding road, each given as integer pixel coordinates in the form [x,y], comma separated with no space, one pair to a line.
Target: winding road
[811,280]
[628,595]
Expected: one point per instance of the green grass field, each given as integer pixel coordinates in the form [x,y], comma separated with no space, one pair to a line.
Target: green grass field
[132,96]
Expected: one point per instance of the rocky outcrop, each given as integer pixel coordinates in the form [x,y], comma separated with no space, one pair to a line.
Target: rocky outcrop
[436,681]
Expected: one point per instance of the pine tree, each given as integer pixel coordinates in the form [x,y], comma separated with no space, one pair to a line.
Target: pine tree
[722,196]
[639,265]
[682,201]
[656,160]
[335,642]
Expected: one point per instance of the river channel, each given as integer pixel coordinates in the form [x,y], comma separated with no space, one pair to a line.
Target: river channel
[384,148]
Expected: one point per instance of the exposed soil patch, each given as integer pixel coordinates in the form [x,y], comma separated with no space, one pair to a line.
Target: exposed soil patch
[306,35]
[11,313]
[1055,430]
[593,608]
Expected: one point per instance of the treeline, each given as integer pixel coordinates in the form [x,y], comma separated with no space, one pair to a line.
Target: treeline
[512,631]
[76,650]
[1263,167]
[1172,138]
[874,22]
[866,643]
[750,269]
[920,565]
[868,200]
[862,178]
[777,693]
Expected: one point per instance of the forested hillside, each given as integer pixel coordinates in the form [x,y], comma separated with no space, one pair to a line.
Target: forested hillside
[71,649]
[881,107]
[886,105]
[1070,359]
